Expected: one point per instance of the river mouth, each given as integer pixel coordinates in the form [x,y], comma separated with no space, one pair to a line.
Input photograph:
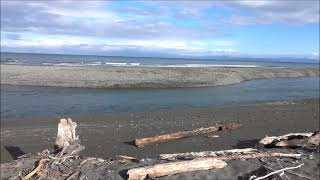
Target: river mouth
[26,102]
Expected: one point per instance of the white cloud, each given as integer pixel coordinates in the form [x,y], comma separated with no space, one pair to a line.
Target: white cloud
[59,41]
[173,47]
[315,54]
[38,43]
[261,11]
[274,11]
[94,19]
[94,25]
[254,4]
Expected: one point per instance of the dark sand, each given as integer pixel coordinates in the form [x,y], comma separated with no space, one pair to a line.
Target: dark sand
[140,77]
[110,135]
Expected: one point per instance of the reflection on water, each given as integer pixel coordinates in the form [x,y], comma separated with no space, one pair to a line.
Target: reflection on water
[19,102]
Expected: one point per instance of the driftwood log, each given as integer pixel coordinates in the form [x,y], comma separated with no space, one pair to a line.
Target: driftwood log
[233,154]
[193,155]
[172,168]
[183,134]
[201,161]
[308,140]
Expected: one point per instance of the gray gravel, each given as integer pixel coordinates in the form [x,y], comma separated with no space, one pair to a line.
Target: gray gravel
[140,77]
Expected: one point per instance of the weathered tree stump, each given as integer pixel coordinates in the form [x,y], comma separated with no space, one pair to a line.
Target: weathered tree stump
[67,141]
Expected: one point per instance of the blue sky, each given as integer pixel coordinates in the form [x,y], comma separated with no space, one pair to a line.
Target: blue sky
[252,28]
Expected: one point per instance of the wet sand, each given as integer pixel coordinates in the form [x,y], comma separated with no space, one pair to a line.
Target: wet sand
[110,135]
[140,77]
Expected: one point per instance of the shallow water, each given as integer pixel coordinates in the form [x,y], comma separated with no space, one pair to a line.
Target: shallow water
[26,102]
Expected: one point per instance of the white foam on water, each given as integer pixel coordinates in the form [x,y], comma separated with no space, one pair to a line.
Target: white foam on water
[74,64]
[115,64]
[47,64]
[65,64]
[122,64]
[13,62]
[134,64]
[208,65]
[93,64]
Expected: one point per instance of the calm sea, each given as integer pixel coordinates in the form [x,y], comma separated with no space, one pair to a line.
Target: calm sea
[89,60]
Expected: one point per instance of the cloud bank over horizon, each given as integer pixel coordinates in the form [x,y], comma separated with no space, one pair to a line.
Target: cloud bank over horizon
[162,28]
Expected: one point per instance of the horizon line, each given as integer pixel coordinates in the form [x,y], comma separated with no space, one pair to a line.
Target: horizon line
[251,57]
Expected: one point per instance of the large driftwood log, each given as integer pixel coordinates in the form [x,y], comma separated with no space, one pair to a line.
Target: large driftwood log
[233,154]
[172,168]
[193,155]
[293,140]
[183,134]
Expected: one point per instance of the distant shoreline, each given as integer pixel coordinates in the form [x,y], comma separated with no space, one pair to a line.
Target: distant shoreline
[140,77]
[219,58]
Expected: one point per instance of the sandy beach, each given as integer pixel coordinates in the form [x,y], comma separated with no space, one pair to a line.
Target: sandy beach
[140,77]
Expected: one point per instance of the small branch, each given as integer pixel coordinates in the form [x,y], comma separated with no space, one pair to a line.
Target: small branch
[41,163]
[127,158]
[89,159]
[283,171]
[275,172]
[290,172]
[73,175]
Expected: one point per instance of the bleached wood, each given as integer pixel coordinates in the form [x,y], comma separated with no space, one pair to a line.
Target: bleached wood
[306,140]
[128,157]
[192,155]
[66,133]
[314,139]
[271,139]
[42,162]
[290,172]
[183,134]
[233,154]
[275,172]
[172,168]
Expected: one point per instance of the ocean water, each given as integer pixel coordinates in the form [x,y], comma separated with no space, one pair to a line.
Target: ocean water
[105,61]
[26,102]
